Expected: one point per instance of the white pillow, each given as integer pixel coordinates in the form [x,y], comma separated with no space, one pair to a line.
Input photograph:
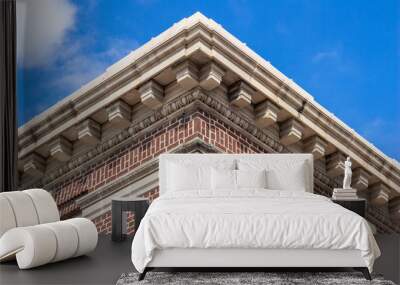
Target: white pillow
[282,174]
[251,178]
[290,176]
[182,177]
[223,179]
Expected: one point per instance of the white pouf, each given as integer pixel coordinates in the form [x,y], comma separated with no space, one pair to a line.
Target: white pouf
[31,232]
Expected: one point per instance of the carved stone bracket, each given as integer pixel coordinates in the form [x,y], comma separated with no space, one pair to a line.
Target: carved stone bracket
[187,75]
[61,149]
[211,76]
[266,114]
[379,194]
[34,165]
[335,164]
[291,131]
[316,146]
[89,132]
[119,114]
[360,179]
[240,94]
[151,94]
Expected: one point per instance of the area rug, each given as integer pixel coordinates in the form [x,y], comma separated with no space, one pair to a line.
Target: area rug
[243,278]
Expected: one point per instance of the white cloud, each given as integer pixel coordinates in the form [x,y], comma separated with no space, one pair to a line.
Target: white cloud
[77,67]
[337,59]
[325,55]
[63,61]
[43,42]
[41,29]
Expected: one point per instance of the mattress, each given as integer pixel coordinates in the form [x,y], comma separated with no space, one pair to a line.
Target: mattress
[250,219]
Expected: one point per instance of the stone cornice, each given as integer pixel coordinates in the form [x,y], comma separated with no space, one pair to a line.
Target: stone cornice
[196,99]
[199,34]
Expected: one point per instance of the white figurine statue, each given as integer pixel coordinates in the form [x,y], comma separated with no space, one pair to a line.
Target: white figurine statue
[347,174]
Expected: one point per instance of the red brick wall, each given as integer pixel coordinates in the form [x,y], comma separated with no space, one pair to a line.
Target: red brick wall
[103,222]
[164,139]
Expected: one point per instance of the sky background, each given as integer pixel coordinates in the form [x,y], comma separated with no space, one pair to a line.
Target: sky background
[344,53]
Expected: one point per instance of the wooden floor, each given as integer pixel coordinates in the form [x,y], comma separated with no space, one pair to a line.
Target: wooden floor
[110,259]
[103,266]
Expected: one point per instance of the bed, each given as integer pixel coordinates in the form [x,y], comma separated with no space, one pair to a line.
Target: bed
[247,210]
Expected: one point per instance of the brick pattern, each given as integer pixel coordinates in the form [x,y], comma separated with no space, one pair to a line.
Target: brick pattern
[152,194]
[103,222]
[198,125]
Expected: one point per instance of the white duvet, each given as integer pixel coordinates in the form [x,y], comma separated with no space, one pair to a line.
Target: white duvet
[255,218]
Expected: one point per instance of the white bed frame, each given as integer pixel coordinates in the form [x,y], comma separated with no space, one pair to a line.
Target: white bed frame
[234,257]
[250,258]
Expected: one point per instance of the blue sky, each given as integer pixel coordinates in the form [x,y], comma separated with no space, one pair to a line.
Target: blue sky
[345,53]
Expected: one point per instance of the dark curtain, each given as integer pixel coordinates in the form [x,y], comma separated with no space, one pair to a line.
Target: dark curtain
[8,119]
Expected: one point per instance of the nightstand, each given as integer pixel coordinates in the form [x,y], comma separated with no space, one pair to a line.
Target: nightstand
[358,206]
[138,206]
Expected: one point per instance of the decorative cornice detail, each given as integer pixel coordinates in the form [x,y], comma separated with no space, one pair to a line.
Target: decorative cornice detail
[177,106]
[61,149]
[119,114]
[266,114]
[291,131]
[211,76]
[89,132]
[240,94]
[34,165]
[316,146]
[379,194]
[151,94]
[360,179]
[187,75]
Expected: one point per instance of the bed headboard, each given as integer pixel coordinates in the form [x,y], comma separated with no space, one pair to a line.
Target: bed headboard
[233,160]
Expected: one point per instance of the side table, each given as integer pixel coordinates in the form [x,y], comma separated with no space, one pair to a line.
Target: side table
[357,205]
[138,206]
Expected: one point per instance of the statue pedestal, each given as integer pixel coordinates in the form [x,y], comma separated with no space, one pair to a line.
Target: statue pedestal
[345,194]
